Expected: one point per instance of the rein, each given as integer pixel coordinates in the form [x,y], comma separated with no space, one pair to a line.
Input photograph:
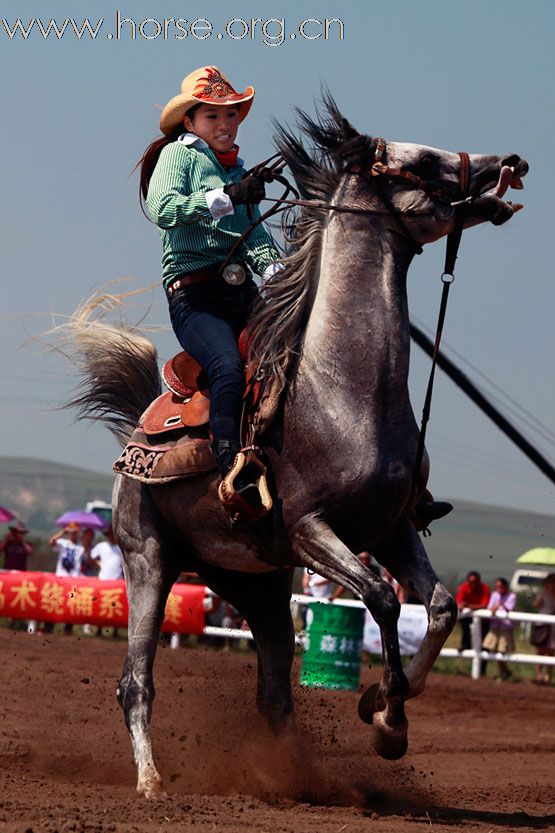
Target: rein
[447,278]
[270,172]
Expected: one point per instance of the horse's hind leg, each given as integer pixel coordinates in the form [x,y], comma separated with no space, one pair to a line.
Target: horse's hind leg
[320,548]
[149,579]
[406,559]
[264,599]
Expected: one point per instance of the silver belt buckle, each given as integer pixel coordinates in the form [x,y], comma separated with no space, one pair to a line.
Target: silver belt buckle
[234,274]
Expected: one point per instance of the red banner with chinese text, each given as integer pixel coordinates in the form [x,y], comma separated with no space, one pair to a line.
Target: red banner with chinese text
[87,600]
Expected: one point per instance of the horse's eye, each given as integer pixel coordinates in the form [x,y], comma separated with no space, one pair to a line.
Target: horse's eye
[427,162]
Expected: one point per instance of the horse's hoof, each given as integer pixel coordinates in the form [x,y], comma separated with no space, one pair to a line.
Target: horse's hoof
[390,742]
[280,724]
[367,704]
[152,790]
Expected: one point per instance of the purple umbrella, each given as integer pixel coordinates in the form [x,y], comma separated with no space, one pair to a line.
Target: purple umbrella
[77,516]
[5,515]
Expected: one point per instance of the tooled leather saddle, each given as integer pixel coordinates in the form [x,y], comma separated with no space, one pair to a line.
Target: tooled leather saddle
[172,439]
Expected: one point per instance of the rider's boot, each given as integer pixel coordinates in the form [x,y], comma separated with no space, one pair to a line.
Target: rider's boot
[225,452]
[243,491]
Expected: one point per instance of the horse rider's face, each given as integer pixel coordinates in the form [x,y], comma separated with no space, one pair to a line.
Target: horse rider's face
[216,124]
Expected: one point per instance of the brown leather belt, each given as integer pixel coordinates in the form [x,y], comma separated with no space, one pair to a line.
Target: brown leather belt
[206,275]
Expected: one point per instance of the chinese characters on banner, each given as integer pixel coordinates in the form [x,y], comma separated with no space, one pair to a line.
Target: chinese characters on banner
[49,598]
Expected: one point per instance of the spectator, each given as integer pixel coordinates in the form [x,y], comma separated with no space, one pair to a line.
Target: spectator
[108,559]
[234,620]
[70,554]
[15,548]
[188,578]
[16,552]
[399,591]
[316,585]
[543,634]
[500,637]
[367,561]
[213,618]
[473,594]
[320,588]
[89,567]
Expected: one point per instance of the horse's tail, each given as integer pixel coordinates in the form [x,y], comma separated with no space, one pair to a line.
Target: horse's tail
[118,366]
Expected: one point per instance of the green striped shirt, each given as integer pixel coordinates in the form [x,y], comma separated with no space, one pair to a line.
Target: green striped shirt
[191,237]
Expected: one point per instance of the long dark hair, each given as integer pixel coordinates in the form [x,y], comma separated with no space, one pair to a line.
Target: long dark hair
[148,160]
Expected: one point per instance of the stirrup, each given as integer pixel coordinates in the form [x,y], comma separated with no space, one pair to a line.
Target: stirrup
[254,500]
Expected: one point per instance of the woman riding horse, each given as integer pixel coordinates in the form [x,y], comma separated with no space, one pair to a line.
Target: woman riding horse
[344,445]
[200,197]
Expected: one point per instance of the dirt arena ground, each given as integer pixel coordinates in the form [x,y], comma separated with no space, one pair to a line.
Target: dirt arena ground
[480,758]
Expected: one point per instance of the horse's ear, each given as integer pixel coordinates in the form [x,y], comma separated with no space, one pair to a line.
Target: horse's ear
[347,130]
[353,147]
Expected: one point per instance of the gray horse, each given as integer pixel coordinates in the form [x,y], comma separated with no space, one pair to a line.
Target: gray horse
[334,328]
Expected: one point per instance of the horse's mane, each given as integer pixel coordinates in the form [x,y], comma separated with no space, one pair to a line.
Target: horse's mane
[279,320]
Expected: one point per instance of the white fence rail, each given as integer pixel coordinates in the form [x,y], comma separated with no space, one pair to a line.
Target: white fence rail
[476,653]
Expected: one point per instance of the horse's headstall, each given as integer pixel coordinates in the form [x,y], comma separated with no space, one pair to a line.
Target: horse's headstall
[444,193]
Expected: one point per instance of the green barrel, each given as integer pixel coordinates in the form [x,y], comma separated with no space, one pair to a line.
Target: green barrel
[334,637]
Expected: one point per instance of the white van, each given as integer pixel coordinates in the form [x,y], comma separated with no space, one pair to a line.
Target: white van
[528,580]
[100,508]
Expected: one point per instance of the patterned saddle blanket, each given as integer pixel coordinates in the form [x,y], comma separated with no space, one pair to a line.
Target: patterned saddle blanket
[185,453]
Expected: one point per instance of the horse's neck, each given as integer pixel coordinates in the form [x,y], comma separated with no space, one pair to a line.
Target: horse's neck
[357,338]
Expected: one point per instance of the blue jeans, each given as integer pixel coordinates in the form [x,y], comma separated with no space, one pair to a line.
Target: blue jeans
[208,329]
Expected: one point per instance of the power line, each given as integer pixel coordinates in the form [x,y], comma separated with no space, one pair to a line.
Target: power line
[462,381]
[541,428]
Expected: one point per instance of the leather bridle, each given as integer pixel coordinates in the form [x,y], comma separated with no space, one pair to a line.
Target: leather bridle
[271,170]
[379,168]
[438,194]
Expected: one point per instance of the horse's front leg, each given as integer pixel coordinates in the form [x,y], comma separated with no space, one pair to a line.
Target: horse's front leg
[149,579]
[264,599]
[406,559]
[319,548]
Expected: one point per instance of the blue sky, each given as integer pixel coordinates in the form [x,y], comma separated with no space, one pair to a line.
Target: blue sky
[76,116]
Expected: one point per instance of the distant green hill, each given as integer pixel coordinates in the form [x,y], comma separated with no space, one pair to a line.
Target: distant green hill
[486,538]
[38,491]
[474,536]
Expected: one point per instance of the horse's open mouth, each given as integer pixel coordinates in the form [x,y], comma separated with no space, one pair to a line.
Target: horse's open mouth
[490,205]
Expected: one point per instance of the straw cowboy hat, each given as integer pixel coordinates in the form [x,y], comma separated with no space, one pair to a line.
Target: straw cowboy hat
[206,85]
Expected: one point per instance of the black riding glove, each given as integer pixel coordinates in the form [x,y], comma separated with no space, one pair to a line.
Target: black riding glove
[249,191]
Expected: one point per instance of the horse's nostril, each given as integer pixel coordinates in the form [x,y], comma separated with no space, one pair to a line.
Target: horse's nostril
[511,160]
